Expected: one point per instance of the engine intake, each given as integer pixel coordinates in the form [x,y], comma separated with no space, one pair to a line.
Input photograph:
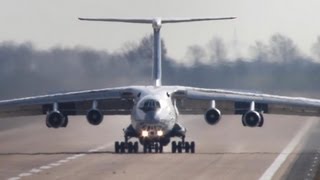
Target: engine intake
[94,117]
[252,119]
[55,119]
[213,116]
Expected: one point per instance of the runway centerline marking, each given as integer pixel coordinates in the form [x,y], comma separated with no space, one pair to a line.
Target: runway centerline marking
[271,171]
[57,163]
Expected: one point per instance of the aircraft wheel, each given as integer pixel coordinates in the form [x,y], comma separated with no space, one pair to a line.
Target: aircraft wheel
[122,147]
[179,147]
[149,148]
[136,147]
[145,148]
[192,146]
[173,147]
[116,147]
[130,147]
[187,147]
[156,147]
[160,148]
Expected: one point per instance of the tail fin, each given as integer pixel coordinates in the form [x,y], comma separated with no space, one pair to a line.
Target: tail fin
[156,24]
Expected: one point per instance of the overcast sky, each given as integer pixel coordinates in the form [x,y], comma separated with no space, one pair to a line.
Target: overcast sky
[49,23]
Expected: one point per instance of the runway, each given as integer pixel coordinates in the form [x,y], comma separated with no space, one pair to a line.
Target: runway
[29,150]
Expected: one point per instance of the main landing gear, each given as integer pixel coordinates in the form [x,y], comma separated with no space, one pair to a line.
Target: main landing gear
[126,146]
[180,146]
[123,147]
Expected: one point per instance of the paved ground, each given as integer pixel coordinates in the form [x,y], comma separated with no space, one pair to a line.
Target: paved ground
[29,150]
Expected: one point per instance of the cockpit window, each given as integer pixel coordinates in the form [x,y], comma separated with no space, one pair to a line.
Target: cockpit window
[150,105]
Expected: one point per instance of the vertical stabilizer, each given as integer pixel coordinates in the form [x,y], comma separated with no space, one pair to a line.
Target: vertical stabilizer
[156,25]
[157,65]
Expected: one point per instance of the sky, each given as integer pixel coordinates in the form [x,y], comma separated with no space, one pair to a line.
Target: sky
[48,23]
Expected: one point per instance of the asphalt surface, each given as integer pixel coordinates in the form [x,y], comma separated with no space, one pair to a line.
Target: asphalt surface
[29,150]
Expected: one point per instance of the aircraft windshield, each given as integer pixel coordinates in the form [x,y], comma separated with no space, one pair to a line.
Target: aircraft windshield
[150,105]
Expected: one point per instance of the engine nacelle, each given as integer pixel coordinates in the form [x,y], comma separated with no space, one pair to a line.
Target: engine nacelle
[212,116]
[252,119]
[55,119]
[94,117]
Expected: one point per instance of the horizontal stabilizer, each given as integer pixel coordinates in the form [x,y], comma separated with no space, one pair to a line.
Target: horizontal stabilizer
[180,20]
[152,20]
[144,21]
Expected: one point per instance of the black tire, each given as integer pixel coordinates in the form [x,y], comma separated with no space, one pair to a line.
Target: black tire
[173,147]
[130,147]
[136,147]
[149,148]
[122,147]
[156,147]
[192,147]
[160,148]
[179,147]
[116,147]
[187,147]
[145,148]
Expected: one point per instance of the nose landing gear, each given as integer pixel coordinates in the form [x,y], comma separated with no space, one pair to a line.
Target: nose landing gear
[149,146]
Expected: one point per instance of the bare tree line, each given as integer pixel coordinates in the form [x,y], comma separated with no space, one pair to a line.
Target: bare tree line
[274,67]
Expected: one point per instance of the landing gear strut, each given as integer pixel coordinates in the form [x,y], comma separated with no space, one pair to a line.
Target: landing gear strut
[178,147]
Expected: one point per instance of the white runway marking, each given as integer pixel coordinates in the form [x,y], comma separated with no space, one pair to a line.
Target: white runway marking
[54,164]
[35,170]
[14,178]
[25,174]
[270,172]
[63,161]
[58,163]
[71,157]
[45,167]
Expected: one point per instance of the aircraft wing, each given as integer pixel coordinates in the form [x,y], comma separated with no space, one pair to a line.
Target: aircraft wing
[198,100]
[111,101]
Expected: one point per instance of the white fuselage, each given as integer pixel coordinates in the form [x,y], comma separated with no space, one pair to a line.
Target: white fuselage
[154,111]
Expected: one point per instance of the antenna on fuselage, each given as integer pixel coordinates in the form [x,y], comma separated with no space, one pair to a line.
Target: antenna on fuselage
[156,25]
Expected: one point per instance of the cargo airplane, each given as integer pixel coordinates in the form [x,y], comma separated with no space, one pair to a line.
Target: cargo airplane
[155,109]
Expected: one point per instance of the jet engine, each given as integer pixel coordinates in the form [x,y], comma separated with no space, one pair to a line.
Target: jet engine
[212,116]
[55,119]
[252,119]
[94,117]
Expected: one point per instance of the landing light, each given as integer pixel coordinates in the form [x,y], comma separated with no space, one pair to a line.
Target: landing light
[145,133]
[160,133]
